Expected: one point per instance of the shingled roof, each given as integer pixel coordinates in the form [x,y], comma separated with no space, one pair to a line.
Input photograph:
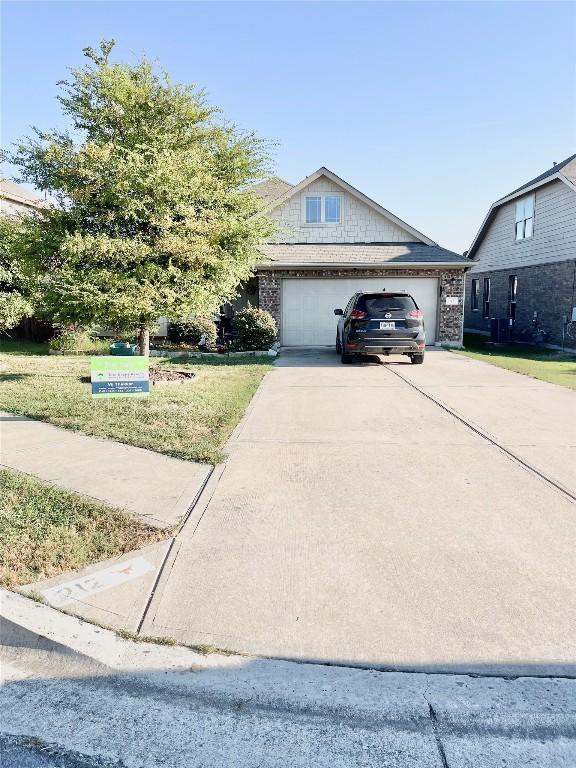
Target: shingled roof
[565,171]
[271,189]
[567,167]
[9,190]
[364,254]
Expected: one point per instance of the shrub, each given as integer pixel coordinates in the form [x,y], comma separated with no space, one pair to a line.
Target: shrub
[194,331]
[74,339]
[254,329]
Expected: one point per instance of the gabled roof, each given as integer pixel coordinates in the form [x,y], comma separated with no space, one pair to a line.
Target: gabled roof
[309,255]
[564,171]
[568,168]
[274,203]
[18,194]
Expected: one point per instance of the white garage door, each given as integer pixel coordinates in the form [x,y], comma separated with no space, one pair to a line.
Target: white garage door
[308,305]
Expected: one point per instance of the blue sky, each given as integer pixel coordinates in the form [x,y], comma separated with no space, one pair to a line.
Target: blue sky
[433,109]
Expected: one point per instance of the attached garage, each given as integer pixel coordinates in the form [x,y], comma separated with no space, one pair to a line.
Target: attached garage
[301,285]
[307,305]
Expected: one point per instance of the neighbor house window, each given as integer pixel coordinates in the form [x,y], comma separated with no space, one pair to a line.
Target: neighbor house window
[323,210]
[512,291]
[474,295]
[486,299]
[524,218]
[313,210]
[332,209]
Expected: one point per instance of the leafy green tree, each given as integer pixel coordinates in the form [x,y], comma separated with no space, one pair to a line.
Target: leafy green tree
[154,215]
[14,299]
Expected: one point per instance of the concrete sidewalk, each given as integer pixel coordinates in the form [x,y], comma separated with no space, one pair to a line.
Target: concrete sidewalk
[158,489]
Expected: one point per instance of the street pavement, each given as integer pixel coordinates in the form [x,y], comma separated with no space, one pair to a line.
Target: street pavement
[73,695]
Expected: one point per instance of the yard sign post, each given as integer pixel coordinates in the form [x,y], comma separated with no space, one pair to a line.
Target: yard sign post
[119,376]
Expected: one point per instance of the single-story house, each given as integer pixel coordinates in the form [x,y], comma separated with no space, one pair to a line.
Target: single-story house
[333,241]
[524,261]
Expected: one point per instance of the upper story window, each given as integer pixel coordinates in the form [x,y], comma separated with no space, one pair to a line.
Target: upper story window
[313,210]
[323,210]
[524,218]
[332,209]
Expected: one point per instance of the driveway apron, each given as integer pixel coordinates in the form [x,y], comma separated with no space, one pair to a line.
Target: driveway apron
[357,521]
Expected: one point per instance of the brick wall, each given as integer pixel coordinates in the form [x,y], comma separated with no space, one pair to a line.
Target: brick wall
[451,284]
[548,289]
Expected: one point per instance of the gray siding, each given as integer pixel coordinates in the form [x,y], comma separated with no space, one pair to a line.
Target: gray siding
[547,289]
[554,236]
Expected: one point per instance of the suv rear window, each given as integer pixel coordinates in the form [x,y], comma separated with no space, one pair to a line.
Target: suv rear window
[376,303]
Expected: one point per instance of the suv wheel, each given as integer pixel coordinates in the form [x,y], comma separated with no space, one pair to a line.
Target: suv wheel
[417,359]
[338,346]
[346,358]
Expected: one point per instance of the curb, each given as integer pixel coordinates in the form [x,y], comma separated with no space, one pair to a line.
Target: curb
[38,633]
[44,642]
[48,643]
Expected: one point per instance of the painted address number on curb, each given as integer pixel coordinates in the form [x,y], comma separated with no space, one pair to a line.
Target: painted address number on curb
[65,593]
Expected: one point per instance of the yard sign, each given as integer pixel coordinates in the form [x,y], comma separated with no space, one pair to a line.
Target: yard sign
[120,376]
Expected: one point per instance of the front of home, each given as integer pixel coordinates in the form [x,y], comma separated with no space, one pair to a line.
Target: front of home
[524,261]
[333,241]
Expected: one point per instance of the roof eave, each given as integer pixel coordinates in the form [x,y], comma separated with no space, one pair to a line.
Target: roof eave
[365,265]
[21,200]
[503,200]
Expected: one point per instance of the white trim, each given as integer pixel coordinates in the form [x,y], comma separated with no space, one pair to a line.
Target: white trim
[532,196]
[351,190]
[322,195]
[568,183]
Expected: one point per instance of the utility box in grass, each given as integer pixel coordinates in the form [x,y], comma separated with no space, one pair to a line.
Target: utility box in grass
[123,349]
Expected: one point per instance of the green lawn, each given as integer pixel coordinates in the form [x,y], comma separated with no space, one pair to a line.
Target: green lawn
[45,531]
[191,422]
[538,362]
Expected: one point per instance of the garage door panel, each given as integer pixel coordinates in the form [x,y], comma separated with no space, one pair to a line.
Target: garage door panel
[308,305]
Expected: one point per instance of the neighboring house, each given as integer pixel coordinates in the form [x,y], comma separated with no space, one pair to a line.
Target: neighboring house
[15,199]
[334,241]
[524,259]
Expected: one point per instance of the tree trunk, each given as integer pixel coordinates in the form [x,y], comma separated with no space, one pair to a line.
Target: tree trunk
[144,341]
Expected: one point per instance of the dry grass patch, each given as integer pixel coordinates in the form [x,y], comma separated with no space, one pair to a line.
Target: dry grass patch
[45,531]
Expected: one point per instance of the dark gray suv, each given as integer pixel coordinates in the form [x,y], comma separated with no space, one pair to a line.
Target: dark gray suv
[380,324]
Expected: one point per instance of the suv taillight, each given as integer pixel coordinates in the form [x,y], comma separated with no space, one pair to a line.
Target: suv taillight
[415,313]
[357,314]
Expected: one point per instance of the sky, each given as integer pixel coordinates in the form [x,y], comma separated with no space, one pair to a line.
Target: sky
[433,109]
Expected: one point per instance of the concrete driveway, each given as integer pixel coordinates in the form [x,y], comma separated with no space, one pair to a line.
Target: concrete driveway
[359,521]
